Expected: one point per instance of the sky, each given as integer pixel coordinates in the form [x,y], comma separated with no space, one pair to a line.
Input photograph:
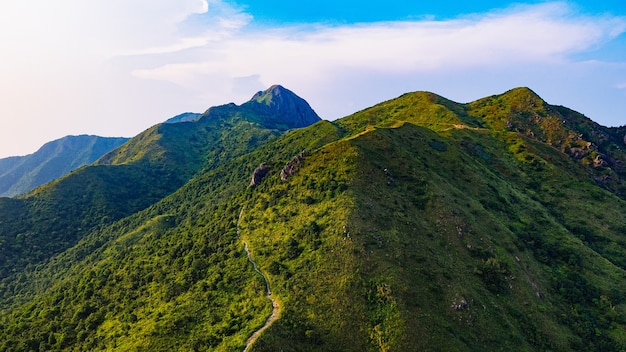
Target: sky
[117,67]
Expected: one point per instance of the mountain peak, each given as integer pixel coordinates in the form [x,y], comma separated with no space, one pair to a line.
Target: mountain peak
[282,107]
[273,94]
[524,96]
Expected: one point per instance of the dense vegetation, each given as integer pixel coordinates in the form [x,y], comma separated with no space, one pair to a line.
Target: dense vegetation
[50,219]
[417,224]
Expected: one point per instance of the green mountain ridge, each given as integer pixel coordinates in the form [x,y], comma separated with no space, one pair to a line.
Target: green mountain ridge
[53,160]
[417,224]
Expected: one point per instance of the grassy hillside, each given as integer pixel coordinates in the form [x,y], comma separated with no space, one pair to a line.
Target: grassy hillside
[418,224]
[152,165]
[192,265]
[402,239]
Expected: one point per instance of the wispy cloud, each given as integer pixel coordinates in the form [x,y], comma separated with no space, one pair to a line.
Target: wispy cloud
[545,32]
[115,67]
[55,75]
[521,35]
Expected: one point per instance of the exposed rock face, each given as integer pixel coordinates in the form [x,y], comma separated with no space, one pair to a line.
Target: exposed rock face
[390,179]
[460,306]
[600,161]
[576,153]
[259,174]
[292,166]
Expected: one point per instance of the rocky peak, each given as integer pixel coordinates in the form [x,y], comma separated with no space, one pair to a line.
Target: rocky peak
[282,107]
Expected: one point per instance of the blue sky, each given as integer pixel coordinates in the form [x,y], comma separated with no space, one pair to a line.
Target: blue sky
[351,11]
[114,68]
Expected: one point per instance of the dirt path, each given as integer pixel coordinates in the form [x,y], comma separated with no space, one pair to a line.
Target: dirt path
[275,304]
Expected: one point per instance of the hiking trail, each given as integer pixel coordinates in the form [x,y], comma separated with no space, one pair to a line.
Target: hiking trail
[268,290]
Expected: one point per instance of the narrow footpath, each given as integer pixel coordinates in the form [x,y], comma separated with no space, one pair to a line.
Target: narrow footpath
[275,304]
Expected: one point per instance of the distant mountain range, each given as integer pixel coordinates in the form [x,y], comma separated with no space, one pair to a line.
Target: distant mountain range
[418,224]
[20,174]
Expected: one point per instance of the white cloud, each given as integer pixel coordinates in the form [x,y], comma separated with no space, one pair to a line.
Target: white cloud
[114,67]
[524,34]
[96,26]
[56,79]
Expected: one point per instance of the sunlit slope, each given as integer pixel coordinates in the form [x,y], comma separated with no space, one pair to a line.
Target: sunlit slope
[54,217]
[417,224]
[469,237]
[403,239]
[173,276]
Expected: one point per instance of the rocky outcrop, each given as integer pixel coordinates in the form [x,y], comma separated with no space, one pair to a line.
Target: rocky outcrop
[292,166]
[600,161]
[259,174]
[462,305]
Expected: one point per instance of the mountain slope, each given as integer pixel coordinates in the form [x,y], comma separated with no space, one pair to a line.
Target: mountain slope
[53,160]
[132,177]
[417,224]
[277,105]
[598,147]
[171,230]
[437,248]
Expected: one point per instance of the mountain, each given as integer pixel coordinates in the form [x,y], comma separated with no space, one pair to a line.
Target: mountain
[417,224]
[52,218]
[184,117]
[51,161]
[278,104]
